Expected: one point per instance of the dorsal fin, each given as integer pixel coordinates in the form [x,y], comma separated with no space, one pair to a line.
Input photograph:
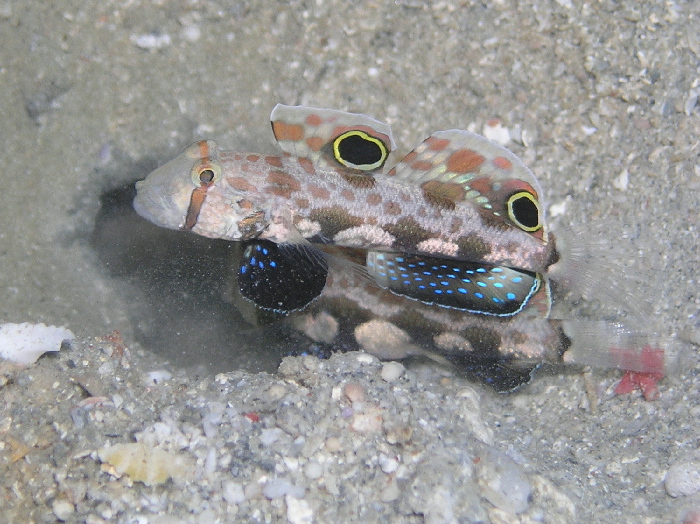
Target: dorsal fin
[458,166]
[350,143]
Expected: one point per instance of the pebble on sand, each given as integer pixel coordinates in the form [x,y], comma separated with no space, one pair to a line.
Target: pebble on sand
[683,478]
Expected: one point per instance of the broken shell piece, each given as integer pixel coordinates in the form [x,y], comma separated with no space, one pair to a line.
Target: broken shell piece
[354,392]
[368,422]
[146,464]
[24,343]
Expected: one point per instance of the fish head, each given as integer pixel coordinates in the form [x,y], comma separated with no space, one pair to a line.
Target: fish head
[189,193]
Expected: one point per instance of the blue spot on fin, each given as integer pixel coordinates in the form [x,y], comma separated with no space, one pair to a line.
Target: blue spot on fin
[281,278]
[459,284]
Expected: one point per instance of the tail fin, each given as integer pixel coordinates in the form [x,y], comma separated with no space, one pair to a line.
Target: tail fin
[603,344]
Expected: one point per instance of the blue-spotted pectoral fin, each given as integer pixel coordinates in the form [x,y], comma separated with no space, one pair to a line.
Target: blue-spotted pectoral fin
[281,278]
[458,284]
[333,139]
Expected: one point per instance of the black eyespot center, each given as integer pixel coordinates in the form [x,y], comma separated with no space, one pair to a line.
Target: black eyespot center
[358,150]
[524,210]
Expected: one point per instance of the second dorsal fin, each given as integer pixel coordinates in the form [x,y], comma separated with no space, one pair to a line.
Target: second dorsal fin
[452,167]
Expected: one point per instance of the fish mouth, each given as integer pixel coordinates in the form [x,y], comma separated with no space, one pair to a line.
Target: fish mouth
[161,211]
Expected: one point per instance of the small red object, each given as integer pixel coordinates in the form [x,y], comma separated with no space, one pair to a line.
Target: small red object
[253,417]
[644,381]
[651,359]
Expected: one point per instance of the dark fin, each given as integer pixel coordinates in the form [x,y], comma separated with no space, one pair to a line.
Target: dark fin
[502,373]
[477,288]
[281,277]
[485,356]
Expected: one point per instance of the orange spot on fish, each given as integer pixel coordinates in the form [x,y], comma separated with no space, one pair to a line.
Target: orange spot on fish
[203,149]
[282,131]
[347,195]
[306,165]
[392,208]
[315,143]
[239,183]
[437,144]
[314,120]
[282,184]
[482,185]
[373,199]
[409,158]
[319,193]
[273,161]
[464,161]
[421,165]
[502,163]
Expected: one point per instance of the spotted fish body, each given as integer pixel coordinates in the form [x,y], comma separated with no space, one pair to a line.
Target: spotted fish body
[453,196]
[457,223]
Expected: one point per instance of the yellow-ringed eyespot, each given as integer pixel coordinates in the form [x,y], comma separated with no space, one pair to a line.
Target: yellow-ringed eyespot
[358,150]
[524,210]
[205,174]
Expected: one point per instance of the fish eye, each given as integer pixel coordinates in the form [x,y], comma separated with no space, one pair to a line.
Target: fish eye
[524,211]
[205,174]
[358,150]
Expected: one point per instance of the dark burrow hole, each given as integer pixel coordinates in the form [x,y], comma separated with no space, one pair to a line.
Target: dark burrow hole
[180,289]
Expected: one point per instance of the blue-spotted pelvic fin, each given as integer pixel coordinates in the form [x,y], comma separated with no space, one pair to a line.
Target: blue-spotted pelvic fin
[458,284]
[281,277]
[458,166]
[347,142]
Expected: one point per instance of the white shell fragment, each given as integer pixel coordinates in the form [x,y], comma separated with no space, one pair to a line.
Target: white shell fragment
[144,463]
[24,343]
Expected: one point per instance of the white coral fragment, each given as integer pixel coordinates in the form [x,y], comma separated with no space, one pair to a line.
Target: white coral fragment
[147,464]
[24,343]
